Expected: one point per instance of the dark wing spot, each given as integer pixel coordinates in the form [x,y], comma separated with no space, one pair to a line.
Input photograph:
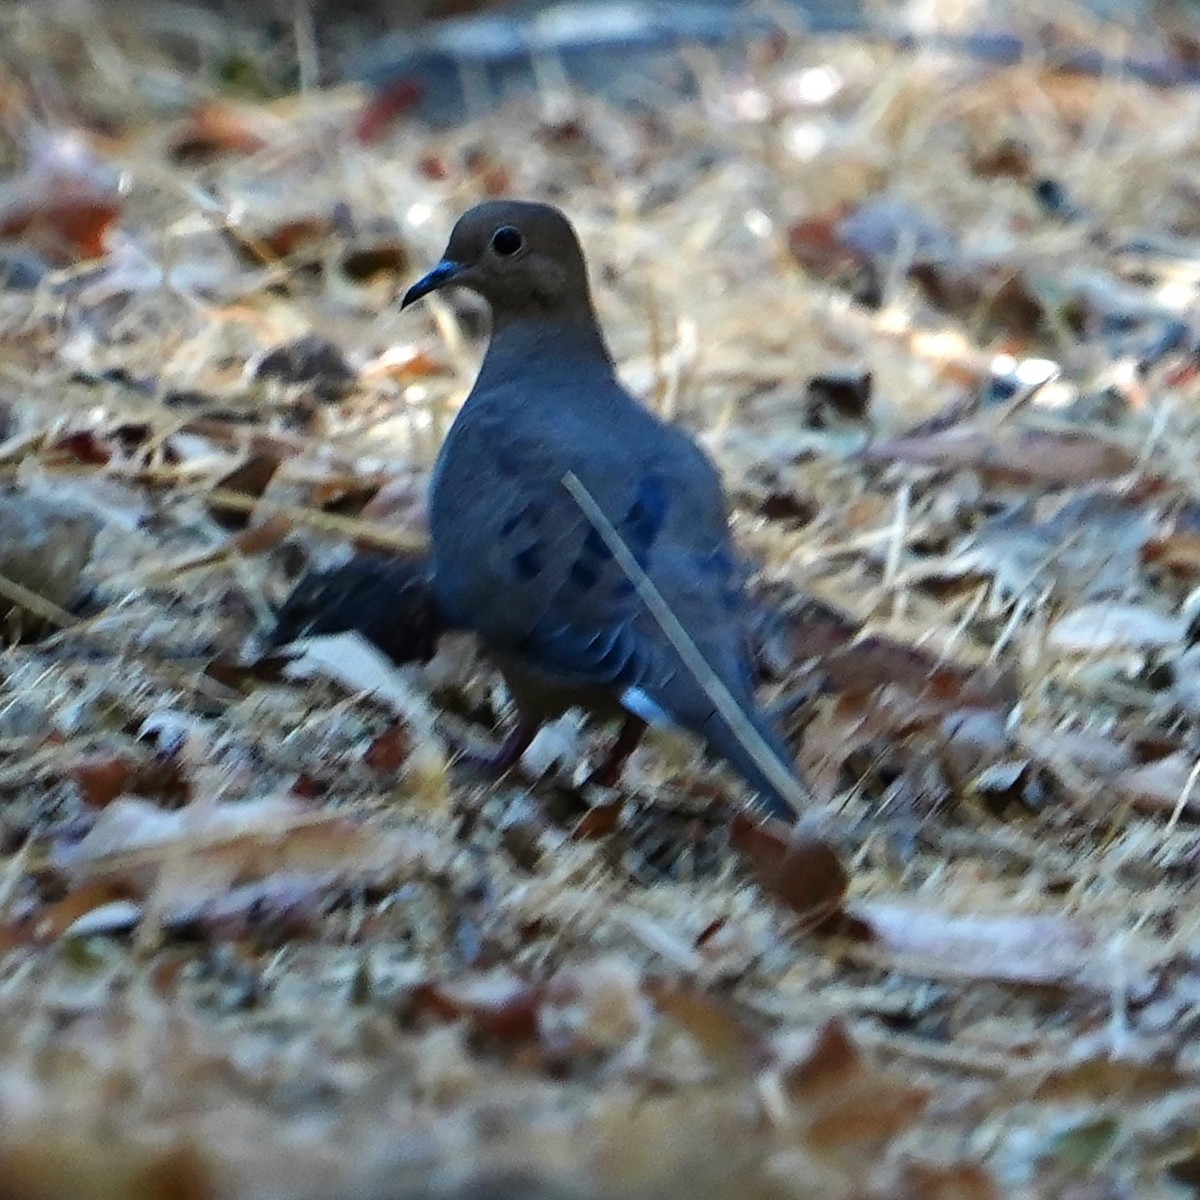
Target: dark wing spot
[645,516]
[528,562]
[583,576]
[637,528]
[595,547]
[529,516]
[508,459]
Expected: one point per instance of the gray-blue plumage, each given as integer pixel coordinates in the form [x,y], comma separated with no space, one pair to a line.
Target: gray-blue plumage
[514,556]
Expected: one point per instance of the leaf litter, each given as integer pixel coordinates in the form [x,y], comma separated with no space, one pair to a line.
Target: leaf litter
[264,931]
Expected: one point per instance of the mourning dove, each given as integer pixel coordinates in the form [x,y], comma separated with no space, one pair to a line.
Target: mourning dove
[583,539]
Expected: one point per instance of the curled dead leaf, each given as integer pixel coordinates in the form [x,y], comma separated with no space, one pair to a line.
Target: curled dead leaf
[389,750]
[251,480]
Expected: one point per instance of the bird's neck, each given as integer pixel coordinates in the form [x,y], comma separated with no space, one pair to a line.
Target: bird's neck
[568,344]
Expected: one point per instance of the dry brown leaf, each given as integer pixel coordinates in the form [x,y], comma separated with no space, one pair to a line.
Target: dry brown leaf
[52,920]
[216,127]
[67,223]
[721,1034]
[874,661]
[384,108]
[803,872]
[250,479]
[498,1005]
[1177,551]
[102,777]
[843,1104]
[959,1181]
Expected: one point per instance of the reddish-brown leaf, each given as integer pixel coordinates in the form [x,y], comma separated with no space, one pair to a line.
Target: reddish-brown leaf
[1005,159]
[101,777]
[389,750]
[500,1007]
[434,167]
[405,364]
[67,222]
[81,446]
[849,1103]
[726,1040]
[816,244]
[957,1181]
[831,1060]
[1178,552]
[876,660]
[264,536]
[55,919]
[307,788]
[803,873]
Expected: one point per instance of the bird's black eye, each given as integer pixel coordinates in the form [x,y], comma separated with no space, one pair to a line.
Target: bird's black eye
[507,240]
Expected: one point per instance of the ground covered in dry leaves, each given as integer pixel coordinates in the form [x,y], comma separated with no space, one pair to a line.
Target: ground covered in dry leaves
[261,932]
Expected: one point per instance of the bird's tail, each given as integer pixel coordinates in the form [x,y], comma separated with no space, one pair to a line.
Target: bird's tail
[724,741]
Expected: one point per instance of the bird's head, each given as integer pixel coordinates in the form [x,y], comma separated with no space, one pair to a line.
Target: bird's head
[523,258]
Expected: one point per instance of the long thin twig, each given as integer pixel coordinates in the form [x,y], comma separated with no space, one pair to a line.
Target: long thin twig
[36,603]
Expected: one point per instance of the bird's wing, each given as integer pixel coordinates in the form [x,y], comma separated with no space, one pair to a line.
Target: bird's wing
[519,561]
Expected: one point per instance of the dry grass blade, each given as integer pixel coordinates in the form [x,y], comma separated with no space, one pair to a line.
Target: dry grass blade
[398,541]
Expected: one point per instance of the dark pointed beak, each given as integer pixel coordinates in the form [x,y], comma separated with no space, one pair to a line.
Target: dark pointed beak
[441,275]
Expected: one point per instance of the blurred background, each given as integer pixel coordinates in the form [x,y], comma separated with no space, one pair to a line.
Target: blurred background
[454,55]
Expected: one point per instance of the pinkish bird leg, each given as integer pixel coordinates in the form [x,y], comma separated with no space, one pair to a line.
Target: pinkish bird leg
[609,770]
[510,752]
